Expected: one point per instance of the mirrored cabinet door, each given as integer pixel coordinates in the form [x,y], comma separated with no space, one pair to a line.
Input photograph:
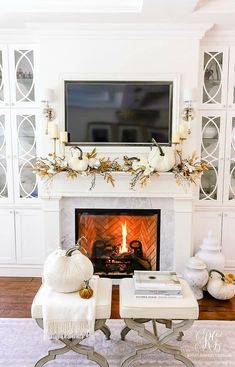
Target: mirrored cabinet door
[212,148]
[4,80]
[6,187]
[231,79]
[23,90]
[229,173]
[24,147]
[214,69]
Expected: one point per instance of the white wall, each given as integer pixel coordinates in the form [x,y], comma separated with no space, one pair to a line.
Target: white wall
[121,58]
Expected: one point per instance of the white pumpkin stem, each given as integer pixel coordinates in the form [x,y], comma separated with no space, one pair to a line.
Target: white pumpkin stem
[159,147]
[70,251]
[81,153]
[216,271]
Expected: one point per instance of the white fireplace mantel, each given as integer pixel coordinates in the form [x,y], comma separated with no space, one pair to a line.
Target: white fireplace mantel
[162,186]
[160,192]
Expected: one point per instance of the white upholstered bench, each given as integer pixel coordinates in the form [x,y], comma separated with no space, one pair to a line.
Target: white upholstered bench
[137,311]
[103,312]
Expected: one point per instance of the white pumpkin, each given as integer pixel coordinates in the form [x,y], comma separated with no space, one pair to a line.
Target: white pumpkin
[78,162]
[65,271]
[161,159]
[218,288]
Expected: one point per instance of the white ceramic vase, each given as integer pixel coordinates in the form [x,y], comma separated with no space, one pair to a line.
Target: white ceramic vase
[210,253]
[196,275]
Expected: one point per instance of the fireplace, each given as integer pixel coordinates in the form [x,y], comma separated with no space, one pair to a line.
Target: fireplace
[120,240]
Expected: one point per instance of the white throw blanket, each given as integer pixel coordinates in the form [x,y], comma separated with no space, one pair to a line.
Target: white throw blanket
[67,315]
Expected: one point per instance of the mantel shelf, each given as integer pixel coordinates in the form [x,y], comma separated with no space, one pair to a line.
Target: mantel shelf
[158,186]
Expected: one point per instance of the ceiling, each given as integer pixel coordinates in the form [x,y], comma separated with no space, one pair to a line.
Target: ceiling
[28,13]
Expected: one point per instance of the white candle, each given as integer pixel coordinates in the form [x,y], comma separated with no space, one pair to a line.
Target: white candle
[64,137]
[175,137]
[183,130]
[54,133]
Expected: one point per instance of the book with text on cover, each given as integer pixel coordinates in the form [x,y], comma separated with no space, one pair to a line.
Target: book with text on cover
[156,280]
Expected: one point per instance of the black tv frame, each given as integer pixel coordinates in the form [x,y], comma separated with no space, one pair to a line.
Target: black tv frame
[170,83]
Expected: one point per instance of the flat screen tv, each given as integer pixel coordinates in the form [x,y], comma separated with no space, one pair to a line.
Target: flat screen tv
[116,112]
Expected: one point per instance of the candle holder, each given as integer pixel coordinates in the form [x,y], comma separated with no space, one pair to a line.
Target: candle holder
[54,145]
[188,112]
[48,111]
[62,145]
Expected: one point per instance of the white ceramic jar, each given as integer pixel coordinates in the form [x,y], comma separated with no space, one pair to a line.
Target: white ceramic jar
[196,275]
[210,253]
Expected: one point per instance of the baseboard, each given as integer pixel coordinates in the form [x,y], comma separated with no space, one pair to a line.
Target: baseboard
[20,270]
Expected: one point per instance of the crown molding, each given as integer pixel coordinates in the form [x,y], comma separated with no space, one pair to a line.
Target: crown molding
[73,6]
[219,37]
[35,31]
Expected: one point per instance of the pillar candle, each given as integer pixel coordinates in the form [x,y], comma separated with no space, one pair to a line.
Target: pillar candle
[183,131]
[175,137]
[64,137]
[54,133]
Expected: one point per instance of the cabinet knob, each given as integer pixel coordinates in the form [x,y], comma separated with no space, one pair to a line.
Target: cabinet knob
[17,212]
[223,105]
[230,106]
[6,104]
[225,214]
[11,211]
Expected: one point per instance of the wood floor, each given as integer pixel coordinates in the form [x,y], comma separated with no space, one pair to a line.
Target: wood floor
[16,296]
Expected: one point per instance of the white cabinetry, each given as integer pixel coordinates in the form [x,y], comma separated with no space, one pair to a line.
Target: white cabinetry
[7,237]
[20,214]
[29,238]
[215,209]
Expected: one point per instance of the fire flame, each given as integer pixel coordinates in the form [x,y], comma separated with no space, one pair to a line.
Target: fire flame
[123,247]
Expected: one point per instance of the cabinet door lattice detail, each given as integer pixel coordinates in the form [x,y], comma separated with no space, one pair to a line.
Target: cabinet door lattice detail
[26,144]
[1,78]
[212,77]
[232,163]
[210,153]
[24,76]
[3,159]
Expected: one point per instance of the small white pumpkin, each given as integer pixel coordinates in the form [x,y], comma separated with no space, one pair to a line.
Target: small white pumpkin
[78,162]
[65,271]
[218,288]
[161,159]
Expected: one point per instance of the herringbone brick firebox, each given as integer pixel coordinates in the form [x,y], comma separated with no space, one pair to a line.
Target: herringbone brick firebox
[120,240]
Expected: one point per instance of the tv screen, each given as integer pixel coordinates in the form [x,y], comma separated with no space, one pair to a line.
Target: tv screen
[118,112]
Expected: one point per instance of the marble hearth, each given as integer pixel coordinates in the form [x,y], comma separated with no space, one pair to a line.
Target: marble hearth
[175,203]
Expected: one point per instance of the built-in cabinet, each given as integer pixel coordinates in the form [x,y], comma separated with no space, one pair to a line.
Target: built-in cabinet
[18,244]
[19,147]
[215,208]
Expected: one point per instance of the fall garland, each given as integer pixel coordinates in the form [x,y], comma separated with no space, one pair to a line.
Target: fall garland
[186,170]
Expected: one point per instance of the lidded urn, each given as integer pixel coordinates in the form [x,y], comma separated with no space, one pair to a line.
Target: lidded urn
[196,275]
[210,253]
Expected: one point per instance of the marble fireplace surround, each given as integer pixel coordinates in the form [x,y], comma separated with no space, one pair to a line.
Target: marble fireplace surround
[175,203]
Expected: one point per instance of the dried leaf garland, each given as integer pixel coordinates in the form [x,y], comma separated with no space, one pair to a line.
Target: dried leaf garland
[186,170]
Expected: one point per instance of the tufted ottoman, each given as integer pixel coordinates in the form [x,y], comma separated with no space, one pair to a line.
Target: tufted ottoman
[137,311]
[103,311]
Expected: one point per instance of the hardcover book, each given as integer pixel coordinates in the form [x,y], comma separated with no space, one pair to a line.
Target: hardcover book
[156,280]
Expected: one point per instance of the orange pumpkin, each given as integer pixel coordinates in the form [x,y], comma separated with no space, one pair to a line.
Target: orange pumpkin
[86,292]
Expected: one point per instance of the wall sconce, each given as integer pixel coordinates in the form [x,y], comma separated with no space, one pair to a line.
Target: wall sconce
[48,112]
[189,111]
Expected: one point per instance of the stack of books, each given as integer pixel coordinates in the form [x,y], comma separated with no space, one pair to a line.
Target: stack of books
[157,284]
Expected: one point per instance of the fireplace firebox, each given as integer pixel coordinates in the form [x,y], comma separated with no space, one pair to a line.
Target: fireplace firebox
[120,240]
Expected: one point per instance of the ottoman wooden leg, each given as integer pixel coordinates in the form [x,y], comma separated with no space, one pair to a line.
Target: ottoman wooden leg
[106,331]
[126,329]
[156,342]
[74,345]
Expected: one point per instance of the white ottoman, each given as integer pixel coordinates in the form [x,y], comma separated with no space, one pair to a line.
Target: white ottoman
[103,312]
[136,311]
